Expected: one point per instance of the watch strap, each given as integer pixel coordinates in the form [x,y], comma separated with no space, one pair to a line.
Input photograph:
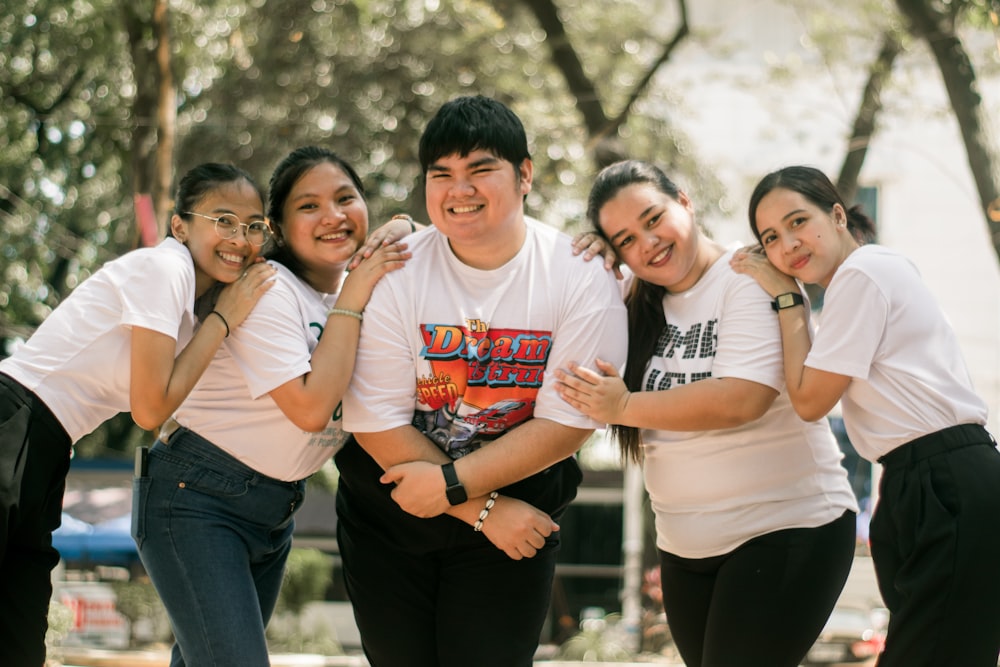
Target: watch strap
[450,476]
[454,491]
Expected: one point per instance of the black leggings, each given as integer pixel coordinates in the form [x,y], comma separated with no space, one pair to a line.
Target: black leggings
[761,605]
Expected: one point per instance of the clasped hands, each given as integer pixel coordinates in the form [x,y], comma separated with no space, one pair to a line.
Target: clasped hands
[513,526]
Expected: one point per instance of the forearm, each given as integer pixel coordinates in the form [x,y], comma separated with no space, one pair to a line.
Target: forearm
[402,444]
[700,406]
[159,381]
[795,346]
[526,450]
[308,401]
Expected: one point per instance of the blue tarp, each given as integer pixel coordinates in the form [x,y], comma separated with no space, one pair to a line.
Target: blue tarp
[106,543]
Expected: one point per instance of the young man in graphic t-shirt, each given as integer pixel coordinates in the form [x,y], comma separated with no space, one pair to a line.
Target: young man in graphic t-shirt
[464,458]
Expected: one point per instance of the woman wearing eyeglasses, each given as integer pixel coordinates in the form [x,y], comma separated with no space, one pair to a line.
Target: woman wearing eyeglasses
[127,339]
[215,510]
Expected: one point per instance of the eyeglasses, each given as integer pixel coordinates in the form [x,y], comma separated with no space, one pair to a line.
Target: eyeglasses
[226,225]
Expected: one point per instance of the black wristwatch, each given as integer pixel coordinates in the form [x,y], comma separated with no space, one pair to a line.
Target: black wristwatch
[453,488]
[787,300]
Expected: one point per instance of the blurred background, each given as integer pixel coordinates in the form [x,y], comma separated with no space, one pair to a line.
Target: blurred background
[104,102]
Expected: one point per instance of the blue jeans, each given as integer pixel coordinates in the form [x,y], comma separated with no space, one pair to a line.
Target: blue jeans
[214,536]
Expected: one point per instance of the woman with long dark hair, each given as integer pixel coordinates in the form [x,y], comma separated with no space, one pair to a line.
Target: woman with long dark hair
[755,518]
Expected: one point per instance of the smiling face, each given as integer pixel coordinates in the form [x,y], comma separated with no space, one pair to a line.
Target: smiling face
[217,259]
[476,201]
[325,221]
[800,238]
[656,235]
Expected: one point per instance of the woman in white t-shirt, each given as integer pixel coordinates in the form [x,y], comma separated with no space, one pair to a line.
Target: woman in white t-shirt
[125,340]
[885,350]
[755,518]
[215,509]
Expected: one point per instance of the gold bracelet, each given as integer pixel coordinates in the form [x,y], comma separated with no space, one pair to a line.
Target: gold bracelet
[343,311]
[478,527]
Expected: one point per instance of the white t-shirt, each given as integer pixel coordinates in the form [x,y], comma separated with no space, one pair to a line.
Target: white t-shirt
[465,354]
[711,491]
[79,360]
[231,406]
[881,326]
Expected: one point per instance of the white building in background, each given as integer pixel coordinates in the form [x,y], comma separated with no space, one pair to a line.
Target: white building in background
[744,124]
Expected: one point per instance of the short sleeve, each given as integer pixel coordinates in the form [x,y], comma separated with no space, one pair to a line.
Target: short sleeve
[156,291]
[851,326]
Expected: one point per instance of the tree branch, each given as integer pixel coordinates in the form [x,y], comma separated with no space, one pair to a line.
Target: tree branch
[936,27]
[868,110]
[683,30]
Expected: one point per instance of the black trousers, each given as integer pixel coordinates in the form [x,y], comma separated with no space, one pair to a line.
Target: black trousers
[935,540]
[459,607]
[34,460]
[761,605]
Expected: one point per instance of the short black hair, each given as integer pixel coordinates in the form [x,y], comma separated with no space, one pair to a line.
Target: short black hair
[474,122]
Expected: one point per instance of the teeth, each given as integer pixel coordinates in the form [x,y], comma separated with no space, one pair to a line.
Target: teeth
[334,235]
[659,256]
[230,257]
[464,209]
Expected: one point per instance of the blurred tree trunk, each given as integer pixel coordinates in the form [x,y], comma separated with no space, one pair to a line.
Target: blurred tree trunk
[934,23]
[865,122]
[601,127]
[154,116]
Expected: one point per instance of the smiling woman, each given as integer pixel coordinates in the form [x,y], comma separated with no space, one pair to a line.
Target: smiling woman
[214,511]
[754,514]
[888,355]
[126,340]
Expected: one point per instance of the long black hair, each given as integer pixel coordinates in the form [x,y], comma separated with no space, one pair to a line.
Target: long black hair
[644,301]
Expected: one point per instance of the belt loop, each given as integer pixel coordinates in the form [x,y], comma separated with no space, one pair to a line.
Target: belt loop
[168,430]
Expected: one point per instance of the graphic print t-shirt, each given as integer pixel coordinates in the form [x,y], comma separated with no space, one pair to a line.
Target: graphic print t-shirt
[481,341]
[465,355]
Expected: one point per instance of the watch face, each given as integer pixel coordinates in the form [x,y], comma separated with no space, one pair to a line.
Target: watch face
[456,494]
[785,301]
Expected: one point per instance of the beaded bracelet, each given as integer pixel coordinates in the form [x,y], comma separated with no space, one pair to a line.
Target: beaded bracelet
[478,527]
[343,311]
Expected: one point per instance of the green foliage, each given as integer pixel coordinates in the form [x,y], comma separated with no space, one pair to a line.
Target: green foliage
[599,640]
[257,79]
[138,601]
[308,573]
[294,634]
[60,620]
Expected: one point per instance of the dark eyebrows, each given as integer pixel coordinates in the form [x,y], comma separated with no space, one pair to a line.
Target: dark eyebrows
[346,187]
[616,235]
[792,213]
[642,216]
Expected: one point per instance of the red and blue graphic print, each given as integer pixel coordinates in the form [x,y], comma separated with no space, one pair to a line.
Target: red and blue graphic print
[482,382]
